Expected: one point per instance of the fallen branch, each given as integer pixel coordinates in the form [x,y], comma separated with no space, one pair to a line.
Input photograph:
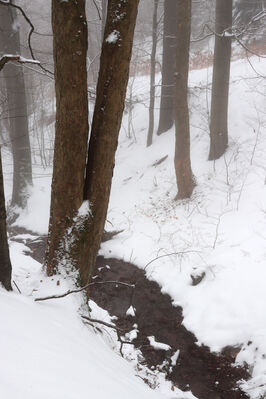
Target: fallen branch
[82,289]
[113,326]
[104,323]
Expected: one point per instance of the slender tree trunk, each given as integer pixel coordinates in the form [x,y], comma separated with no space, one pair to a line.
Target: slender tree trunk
[104,10]
[184,176]
[110,97]
[71,127]
[5,264]
[220,80]
[166,119]
[152,75]
[17,109]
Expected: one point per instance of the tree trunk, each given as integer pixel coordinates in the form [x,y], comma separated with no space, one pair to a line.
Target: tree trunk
[5,264]
[104,9]
[152,75]
[220,80]
[184,176]
[166,119]
[17,109]
[110,97]
[71,127]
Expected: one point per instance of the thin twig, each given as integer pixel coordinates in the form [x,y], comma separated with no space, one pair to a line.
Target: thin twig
[15,284]
[173,253]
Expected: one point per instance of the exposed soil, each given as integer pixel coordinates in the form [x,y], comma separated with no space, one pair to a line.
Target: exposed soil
[207,375]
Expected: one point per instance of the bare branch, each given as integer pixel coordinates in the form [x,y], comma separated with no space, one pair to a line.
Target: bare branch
[104,323]
[9,57]
[8,3]
[117,329]
[82,289]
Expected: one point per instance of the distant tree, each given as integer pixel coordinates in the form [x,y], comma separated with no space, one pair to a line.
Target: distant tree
[104,9]
[220,79]
[82,234]
[152,73]
[5,264]
[184,175]
[17,107]
[166,118]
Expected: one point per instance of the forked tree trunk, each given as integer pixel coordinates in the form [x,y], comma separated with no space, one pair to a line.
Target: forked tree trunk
[152,75]
[220,80]
[5,264]
[166,119]
[184,176]
[71,127]
[110,97]
[17,109]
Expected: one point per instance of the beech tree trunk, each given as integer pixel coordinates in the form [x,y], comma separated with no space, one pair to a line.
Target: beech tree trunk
[166,119]
[152,75]
[17,108]
[220,80]
[71,126]
[5,264]
[184,176]
[107,117]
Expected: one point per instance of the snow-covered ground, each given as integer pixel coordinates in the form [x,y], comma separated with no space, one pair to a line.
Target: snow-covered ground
[46,349]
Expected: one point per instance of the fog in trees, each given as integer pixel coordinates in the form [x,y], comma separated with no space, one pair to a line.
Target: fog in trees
[16,108]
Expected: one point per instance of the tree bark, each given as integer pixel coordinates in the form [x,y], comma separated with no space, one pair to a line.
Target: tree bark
[110,97]
[184,176]
[71,127]
[152,75]
[220,80]
[17,109]
[5,264]
[166,119]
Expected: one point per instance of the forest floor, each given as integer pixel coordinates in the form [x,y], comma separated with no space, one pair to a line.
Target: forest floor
[175,353]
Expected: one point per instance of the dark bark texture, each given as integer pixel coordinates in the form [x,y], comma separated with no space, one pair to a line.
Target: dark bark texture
[184,176]
[110,97]
[166,119]
[17,108]
[152,75]
[71,127]
[5,264]
[220,80]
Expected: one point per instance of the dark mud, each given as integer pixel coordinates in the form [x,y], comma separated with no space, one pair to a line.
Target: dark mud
[207,375]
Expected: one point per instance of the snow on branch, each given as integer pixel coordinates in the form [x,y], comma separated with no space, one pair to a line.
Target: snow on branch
[9,57]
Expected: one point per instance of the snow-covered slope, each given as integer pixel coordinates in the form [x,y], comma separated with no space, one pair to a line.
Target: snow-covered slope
[46,350]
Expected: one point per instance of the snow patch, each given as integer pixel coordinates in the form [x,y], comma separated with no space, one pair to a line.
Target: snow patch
[158,345]
[113,37]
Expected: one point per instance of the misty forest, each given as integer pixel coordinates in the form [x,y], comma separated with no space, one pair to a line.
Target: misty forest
[133,199]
